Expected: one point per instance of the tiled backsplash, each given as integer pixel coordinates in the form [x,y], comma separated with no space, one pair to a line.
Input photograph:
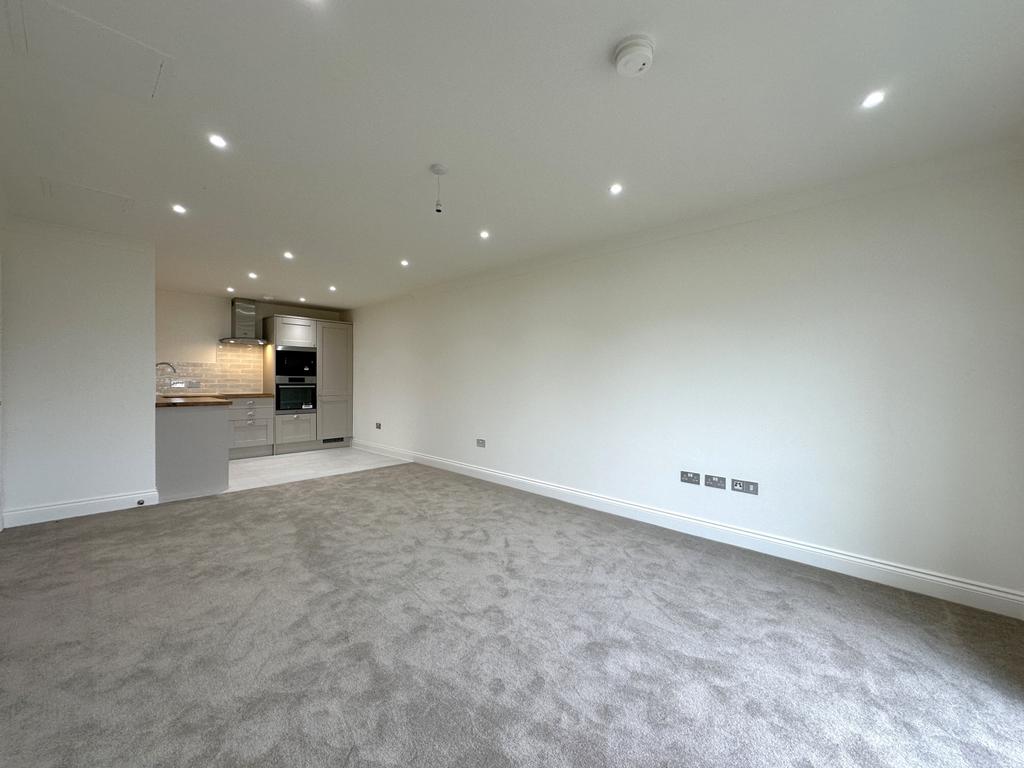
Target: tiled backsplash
[237,369]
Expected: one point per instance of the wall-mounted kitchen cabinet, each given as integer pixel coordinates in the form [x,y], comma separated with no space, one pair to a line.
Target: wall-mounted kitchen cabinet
[334,379]
[294,331]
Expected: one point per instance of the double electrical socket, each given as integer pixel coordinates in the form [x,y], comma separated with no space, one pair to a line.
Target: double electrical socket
[717,481]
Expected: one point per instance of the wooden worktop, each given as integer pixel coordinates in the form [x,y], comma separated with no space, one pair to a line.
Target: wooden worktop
[178,402]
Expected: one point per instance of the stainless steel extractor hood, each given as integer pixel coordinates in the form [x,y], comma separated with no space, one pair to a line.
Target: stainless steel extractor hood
[243,323]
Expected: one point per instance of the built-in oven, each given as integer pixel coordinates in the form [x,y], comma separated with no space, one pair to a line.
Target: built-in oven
[295,394]
[294,361]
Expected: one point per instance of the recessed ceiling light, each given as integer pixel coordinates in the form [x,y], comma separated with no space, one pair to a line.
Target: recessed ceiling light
[404,262]
[302,298]
[230,289]
[268,298]
[484,234]
[289,255]
[615,188]
[873,99]
[218,141]
[179,209]
[253,275]
[333,288]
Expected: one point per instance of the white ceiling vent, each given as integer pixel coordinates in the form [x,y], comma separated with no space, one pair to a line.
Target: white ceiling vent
[634,55]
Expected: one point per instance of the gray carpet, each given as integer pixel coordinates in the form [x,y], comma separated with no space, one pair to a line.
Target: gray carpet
[406,616]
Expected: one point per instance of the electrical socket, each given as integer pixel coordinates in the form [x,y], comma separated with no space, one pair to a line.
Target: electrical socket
[714,481]
[378,425]
[744,486]
[481,443]
[689,477]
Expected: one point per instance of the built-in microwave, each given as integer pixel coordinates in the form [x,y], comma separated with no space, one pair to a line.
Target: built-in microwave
[294,361]
[295,396]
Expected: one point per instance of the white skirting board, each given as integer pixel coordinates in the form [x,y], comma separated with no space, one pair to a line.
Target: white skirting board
[77,508]
[987,597]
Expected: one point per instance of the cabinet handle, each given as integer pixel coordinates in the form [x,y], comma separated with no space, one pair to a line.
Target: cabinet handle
[250,421]
[251,402]
[250,414]
[295,416]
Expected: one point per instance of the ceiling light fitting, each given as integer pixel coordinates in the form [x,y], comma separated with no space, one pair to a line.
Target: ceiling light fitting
[438,170]
[873,99]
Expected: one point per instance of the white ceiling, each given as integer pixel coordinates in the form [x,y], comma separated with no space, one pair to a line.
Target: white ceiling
[336,108]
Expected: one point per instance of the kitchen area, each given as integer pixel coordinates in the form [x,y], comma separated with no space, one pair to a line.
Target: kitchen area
[250,394]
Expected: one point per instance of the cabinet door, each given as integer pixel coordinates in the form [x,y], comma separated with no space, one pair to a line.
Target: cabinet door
[334,359]
[252,432]
[294,331]
[334,417]
[294,428]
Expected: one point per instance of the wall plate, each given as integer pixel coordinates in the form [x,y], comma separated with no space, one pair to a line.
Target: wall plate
[714,481]
[744,486]
[690,477]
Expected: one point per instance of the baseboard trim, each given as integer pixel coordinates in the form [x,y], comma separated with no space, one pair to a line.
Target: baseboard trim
[48,512]
[988,597]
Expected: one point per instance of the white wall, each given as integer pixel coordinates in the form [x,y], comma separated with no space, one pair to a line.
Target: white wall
[188,325]
[78,319]
[862,358]
[3,250]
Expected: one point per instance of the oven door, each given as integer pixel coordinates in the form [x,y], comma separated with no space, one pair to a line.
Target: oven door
[296,398]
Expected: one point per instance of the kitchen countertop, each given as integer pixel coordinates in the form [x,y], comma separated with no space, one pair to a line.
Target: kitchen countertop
[178,402]
[231,395]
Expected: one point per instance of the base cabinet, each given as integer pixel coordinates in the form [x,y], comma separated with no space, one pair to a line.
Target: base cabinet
[295,428]
[334,417]
[251,433]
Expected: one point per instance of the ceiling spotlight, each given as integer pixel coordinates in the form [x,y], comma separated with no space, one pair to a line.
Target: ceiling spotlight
[615,188]
[333,288]
[218,141]
[253,275]
[230,289]
[404,262]
[484,234]
[302,298]
[179,209]
[873,99]
[289,255]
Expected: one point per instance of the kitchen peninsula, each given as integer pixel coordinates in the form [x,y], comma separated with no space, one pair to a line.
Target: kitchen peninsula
[192,440]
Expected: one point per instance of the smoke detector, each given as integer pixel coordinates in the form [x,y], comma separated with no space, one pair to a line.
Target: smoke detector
[634,55]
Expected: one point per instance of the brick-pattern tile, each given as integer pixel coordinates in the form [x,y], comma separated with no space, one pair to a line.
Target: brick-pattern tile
[238,369]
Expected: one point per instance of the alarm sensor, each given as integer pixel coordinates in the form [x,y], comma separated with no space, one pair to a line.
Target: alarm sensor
[634,55]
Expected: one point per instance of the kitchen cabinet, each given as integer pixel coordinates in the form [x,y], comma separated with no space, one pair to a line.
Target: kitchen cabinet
[294,428]
[252,422]
[294,331]
[334,379]
[252,433]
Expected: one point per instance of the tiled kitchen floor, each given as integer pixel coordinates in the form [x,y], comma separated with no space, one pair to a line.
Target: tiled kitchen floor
[290,467]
